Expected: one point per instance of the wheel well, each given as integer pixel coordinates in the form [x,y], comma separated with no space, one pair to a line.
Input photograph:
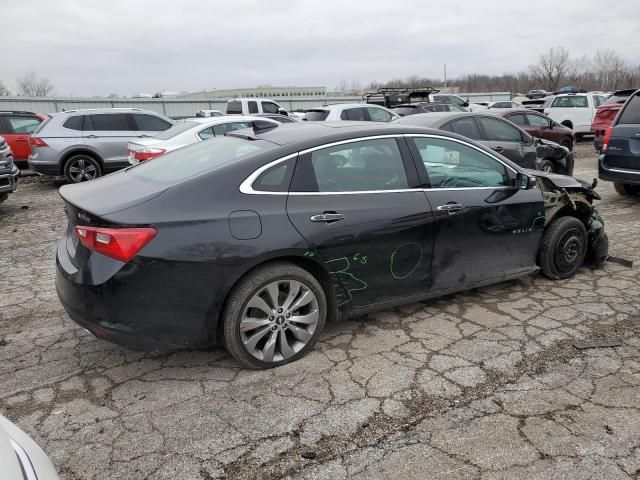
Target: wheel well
[88,153]
[319,273]
[567,123]
[582,213]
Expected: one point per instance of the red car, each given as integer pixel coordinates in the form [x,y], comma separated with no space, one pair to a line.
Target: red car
[606,113]
[539,125]
[16,128]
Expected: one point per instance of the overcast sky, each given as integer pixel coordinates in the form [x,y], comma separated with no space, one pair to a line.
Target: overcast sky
[98,47]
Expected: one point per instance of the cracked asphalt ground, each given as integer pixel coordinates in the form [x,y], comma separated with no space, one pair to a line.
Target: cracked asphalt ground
[484,384]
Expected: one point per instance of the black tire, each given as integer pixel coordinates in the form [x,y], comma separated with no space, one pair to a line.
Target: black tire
[567,143]
[563,248]
[547,166]
[82,168]
[3,197]
[625,189]
[251,286]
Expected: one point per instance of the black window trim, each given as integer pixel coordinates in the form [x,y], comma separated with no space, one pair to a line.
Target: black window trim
[246,186]
[473,118]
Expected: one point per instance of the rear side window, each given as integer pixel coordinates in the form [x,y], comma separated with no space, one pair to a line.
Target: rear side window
[108,122]
[518,119]
[537,120]
[466,127]
[631,111]
[150,123]
[253,106]
[234,107]
[499,131]
[275,179]
[23,125]
[379,115]
[316,115]
[177,129]
[356,114]
[570,102]
[206,134]
[74,123]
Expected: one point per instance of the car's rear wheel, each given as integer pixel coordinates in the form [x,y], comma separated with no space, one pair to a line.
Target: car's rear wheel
[626,189]
[563,248]
[547,166]
[3,197]
[274,316]
[82,168]
[567,143]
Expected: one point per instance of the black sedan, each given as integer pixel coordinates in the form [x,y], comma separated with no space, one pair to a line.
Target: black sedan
[258,238]
[501,135]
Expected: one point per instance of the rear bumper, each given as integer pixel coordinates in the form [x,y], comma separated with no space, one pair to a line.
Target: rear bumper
[9,180]
[617,175]
[44,167]
[140,306]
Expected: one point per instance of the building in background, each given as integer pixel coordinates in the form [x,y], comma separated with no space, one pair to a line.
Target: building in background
[262,91]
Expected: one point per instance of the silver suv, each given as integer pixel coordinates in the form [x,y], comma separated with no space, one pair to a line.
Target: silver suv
[84,144]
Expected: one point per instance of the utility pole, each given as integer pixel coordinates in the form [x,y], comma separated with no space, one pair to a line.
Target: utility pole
[445,76]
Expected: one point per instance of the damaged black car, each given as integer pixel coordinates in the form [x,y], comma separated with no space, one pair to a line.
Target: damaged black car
[257,238]
[502,136]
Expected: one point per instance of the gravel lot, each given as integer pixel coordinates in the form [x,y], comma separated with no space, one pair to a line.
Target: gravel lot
[484,384]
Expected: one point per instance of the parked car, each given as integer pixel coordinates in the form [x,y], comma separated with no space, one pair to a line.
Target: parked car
[16,127]
[188,132]
[456,100]
[85,144]
[250,106]
[502,136]
[414,108]
[9,172]
[363,112]
[538,104]
[620,158]
[605,114]
[258,238]
[278,118]
[533,94]
[575,110]
[504,104]
[208,113]
[540,126]
[21,458]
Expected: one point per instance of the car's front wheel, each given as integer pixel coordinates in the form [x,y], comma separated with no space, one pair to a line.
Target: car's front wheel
[563,248]
[625,189]
[567,143]
[274,316]
[547,166]
[82,168]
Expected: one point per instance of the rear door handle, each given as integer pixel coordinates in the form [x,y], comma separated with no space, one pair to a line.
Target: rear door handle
[499,149]
[327,217]
[451,208]
[92,136]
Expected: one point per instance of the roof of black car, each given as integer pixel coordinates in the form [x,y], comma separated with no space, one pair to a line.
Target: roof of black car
[434,119]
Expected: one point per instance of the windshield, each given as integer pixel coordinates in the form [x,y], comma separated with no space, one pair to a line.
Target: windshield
[190,161]
[177,129]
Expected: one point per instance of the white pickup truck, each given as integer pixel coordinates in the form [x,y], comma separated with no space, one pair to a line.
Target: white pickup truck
[575,110]
[251,106]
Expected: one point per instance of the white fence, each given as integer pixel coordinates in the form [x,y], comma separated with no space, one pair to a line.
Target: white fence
[179,107]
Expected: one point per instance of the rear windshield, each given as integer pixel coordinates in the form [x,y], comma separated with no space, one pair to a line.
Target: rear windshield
[177,129]
[617,98]
[234,107]
[571,102]
[198,158]
[316,115]
[631,111]
[402,111]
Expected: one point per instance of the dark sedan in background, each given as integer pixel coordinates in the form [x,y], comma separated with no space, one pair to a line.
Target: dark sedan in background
[257,238]
[502,136]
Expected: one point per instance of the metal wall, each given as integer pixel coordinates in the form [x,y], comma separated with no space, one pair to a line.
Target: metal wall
[184,107]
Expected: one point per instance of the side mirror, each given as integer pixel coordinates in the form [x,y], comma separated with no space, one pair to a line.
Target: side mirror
[524,181]
[466,103]
[282,111]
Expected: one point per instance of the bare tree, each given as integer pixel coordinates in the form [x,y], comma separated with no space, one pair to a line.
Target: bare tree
[609,69]
[3,90]
[552,67]
[31,86]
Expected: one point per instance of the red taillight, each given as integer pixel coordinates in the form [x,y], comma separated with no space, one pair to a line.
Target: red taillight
[120,243]
[148,154]
[38,142]
[607,137]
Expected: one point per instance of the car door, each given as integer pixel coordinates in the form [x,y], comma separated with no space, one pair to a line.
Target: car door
[360,207]
[485,228]
[543,127]
[16,130]
[508,140]
[107,134]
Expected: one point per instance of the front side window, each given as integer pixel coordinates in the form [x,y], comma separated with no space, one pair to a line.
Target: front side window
[253,106]
[451,164]
[537,120]
[356,114]
[24,125]
[229,127]
[571,102]
[379,115]
[150,123]
[466,127]
[517,118]
[108,122]
[368,165]
[499,131]
[270,107]
[234,107]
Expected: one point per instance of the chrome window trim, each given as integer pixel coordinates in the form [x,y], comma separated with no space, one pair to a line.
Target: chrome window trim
[24,459]
[246,186]
[622,170]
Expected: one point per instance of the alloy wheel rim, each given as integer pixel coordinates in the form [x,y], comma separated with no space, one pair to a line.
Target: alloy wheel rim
[547,168]
[279,320]
[568,250]
[82,170]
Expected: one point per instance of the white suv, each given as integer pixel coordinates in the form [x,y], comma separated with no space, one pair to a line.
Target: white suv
[363,112]
[575,110]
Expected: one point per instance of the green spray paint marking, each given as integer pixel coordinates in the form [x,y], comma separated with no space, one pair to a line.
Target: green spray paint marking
[309,254]
[397,275]
[349,280]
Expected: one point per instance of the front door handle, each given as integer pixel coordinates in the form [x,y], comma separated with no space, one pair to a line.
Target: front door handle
[499,149]
[327,217]
[451,208]
[92,136]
